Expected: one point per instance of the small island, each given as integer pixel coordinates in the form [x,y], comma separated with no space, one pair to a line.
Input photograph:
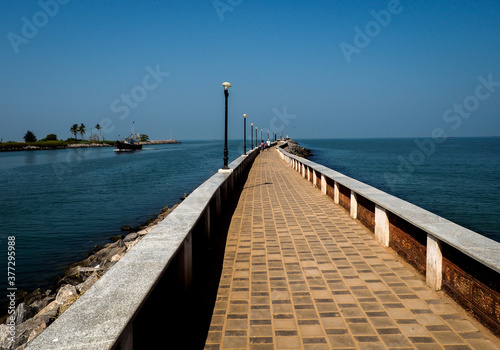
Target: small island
[51,142]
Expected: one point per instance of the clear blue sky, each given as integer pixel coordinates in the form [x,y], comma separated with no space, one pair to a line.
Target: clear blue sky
[310,69]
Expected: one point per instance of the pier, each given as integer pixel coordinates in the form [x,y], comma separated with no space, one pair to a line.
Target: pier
[312,260]
[300,273]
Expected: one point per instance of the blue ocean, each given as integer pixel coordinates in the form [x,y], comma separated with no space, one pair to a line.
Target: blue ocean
[456,178]
[60,204]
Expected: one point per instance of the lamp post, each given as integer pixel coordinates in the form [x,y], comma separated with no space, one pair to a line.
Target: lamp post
[245,133]
[268,135]
[256,136]
[261,139]
[226,94]
[251,134]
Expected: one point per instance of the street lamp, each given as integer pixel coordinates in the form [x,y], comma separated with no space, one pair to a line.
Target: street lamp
[251,134]
[268,135]
[245,133]
[226,94]
[261,139]
[256,136]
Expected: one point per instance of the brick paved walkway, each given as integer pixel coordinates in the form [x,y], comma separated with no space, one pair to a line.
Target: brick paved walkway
[299,273]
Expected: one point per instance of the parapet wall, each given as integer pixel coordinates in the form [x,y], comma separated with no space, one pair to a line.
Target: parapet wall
[155,293]
[460,261]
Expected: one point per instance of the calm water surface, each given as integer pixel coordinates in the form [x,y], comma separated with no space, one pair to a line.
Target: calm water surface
[60,203]
[458,179]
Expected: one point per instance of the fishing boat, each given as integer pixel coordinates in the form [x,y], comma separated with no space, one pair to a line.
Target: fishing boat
[129,144]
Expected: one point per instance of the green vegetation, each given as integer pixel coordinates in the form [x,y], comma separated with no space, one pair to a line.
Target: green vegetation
[74,130]
[51,141]
[47,144]
[81,130]
[29,137]
[143,138]
[44,144]
[98,127]
[50,137]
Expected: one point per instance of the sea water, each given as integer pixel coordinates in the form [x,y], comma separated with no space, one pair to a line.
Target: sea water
[456,178]
[59,204]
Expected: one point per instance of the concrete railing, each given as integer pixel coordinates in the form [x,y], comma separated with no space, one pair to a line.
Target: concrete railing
[462,262]
[166,266]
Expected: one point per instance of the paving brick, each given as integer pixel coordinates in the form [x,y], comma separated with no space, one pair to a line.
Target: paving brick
[299,273]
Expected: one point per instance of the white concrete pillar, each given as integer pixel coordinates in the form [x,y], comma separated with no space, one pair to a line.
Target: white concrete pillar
[434,272]
[336,193]
[308,174]
[315,178]
[323,184]
[354,205]
[303,170]
[381,226]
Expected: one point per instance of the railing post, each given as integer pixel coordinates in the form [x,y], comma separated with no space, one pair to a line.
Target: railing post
[354,205]
[336,193]
[323,184]
[303,170]
[381,225]
[186,262]
[207,224]
[232,178]
[218,202]
[126,341]
[434,271]
[225,194]
[315,178]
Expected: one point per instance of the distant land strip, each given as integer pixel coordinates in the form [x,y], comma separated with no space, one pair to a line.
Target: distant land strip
[50,145]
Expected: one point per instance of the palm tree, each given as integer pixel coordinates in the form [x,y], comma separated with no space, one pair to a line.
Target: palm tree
[81,130]
[74,130]
[98,127]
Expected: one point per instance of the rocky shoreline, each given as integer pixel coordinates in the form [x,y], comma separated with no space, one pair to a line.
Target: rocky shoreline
[35,311]
[77,145]
[295,149]
[45,148]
